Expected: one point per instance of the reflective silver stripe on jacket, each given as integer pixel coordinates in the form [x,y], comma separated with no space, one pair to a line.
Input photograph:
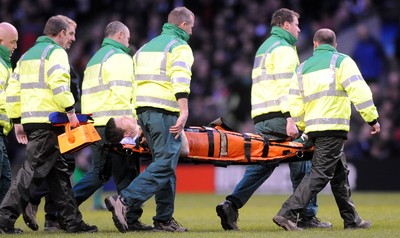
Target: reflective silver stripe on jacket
[181,64]
[331,91]
[42,63]
[11,99]
[152,77]
[266,104]
[15,76]
[105,87]
[327,121]
[56,67]
[35,114]
[41,84]
[163,66]
[111,113]
[352,79]
[101,86]
[101,66]
[259,61]
[159,101]
[181,80]
[272,77]
[61,89]
[33,85]
[4,117]
[364,105]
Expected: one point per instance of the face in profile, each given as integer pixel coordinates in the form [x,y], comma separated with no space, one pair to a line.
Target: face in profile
[8,37]
[188,26]
[128,125]
[294,28]
[70,32]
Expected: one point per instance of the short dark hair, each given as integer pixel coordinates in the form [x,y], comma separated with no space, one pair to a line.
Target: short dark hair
[54,25]
[283,15]
[325,36]
[112,133]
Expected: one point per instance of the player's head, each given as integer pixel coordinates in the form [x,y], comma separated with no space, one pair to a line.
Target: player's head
[119,127]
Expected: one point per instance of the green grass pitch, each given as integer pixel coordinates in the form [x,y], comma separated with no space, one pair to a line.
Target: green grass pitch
[197,213]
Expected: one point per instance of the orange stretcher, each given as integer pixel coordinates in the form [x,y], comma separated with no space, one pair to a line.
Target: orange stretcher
[221,147]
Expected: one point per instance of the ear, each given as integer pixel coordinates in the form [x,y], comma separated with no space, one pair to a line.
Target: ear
[286,25]
[181,25]
[315,44]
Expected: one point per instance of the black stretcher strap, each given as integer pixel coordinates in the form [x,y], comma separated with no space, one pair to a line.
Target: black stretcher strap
[247,147]
[210,135]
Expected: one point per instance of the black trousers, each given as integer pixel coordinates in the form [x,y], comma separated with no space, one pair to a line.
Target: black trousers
[50,207]
[328,165]
[43,163]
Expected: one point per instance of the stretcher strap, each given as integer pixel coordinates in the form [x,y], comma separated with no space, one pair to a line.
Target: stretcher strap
[105,173]
[247,146]
[224,144]
[210,135]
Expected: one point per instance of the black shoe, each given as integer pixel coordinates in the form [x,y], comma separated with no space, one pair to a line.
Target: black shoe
[6,230]
[363,225]
[139,226]
[286,223]
[118,210]
[82,228]
[228,215]
[171,226]
[52,226]
[313,222]
[29,216]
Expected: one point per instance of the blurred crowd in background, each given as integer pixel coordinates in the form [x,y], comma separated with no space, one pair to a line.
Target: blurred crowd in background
[225,38]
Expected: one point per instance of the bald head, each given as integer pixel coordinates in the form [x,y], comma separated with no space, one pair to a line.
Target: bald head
[325,36]
[118,31]
[8,36]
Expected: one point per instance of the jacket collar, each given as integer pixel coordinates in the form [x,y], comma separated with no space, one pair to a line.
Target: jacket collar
[46,39]
[5,55]
[116,44]
[279,31]
[171,29]
[324,47]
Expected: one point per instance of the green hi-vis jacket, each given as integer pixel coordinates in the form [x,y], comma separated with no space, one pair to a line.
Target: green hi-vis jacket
[40,84]
[163,70]
[275,62]
[107,87]
[5,73]
[323,89]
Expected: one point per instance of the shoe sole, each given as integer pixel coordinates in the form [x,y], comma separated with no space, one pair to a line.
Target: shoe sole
[224,218]
[117,223]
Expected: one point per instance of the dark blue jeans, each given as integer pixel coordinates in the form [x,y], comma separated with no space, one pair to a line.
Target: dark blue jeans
[159,177]
[256,175]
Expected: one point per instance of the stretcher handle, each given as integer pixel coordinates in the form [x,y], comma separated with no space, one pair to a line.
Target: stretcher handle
[71,137]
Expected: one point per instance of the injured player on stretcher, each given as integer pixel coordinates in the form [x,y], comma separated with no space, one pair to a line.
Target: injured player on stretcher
[210,144]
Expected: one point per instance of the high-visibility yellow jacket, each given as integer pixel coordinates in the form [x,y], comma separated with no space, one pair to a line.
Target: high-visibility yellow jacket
[40,85]
[275,62]
[323,89]
[163,70]
[5,74]
[107,87]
